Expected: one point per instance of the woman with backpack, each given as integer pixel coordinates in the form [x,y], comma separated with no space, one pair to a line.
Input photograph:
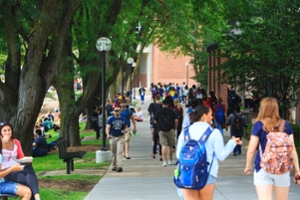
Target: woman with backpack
[201,120]
[272,173]
[219,115]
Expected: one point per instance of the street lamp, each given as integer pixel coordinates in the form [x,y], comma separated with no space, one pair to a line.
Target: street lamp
[130,62]
[132,70]
[187,73]
[103,45]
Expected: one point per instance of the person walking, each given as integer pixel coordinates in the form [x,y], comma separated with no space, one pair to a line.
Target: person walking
[219,115]
[128,115]
[201,119]
[179,111]
[142,91]
[115,128]
[237,122]
[152,109]
[268,121]
[167,122]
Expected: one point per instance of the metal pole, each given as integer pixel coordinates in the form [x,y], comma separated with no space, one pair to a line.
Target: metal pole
[122,79]
[103,148]
[131,93]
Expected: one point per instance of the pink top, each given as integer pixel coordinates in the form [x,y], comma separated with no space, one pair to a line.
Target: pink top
[9,157]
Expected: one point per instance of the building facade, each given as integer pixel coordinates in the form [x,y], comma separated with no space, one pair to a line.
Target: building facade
[156,66]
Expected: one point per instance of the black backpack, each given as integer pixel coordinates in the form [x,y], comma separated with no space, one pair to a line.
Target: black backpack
[237,123]
[154,108]
[165,122]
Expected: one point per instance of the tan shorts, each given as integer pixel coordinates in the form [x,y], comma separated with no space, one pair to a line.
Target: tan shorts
[127,135]
[167,138]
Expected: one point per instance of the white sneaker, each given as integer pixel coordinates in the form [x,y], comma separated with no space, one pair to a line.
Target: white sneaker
[164,164]
[170,162]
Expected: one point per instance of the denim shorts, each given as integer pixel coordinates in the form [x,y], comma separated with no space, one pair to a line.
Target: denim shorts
[264,178]
[210,180]
[8,187]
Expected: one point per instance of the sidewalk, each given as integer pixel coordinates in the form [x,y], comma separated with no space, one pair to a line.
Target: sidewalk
[144,178]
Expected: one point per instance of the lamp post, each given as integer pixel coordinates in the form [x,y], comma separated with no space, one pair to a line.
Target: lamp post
[187,73]
[130,62]
[131,80]
[103,45]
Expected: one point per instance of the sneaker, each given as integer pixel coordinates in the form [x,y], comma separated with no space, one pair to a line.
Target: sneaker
[170,162]
[114,169]
[119,169]
[234,154]
[164,164]
[160,159]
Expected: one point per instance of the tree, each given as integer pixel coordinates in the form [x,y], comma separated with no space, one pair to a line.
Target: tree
[262,51]
[40,27]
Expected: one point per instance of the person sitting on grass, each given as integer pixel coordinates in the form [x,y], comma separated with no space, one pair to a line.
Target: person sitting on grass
[139,115]
[40,146]
[11,187]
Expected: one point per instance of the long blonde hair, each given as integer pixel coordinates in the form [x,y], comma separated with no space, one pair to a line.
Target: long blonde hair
[177,103]
[269,113]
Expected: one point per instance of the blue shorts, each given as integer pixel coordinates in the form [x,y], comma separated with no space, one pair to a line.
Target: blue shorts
[210,180]
[7,187]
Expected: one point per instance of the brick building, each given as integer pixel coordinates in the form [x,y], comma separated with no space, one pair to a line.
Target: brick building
[214,83]
[156,66]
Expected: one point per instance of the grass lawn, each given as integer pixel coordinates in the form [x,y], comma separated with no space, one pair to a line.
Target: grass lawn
[51,162]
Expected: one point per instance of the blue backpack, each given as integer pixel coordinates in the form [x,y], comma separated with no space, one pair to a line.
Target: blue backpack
[220,117]
[191,168]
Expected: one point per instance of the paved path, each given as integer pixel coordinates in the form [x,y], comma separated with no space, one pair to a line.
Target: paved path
[144,178]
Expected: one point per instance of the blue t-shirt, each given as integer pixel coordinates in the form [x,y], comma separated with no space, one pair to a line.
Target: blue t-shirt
[259,132]
[41,145]
[117,125]
[127,115]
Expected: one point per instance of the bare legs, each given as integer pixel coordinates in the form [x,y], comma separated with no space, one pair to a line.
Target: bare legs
[205,193]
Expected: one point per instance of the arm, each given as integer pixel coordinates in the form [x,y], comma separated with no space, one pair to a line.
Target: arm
[253,143]
[228,121]
[221,151]
[295,159]
[107,131]
[133,122]
[15,167]
[20,153]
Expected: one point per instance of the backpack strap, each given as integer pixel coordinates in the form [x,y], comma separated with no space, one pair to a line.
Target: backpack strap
[205,135]
[186,134]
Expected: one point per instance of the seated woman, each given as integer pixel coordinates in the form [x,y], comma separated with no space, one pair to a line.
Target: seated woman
[11,151]
[39,145]
[11,187]
[139,115]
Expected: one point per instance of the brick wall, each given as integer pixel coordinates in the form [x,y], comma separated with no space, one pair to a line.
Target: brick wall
[167,68]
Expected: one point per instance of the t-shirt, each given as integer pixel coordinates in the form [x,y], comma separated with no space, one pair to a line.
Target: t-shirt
[41,145]
[10,156]
[117,125]
[139,114]
[259,132]
[169,112]
[127,115]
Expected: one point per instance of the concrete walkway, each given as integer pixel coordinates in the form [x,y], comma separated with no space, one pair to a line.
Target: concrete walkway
[144,178]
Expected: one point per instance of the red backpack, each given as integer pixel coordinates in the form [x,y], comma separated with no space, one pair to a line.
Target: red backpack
[277,157]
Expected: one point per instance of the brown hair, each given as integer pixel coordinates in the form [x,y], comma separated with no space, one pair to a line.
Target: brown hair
[198,112]
[269,113]
[3,124]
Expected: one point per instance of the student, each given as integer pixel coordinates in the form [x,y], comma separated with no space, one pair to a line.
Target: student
[11,187]
[11,151]
[201,118]
[39,145]
[237,122]
[139,115]
[268,119]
